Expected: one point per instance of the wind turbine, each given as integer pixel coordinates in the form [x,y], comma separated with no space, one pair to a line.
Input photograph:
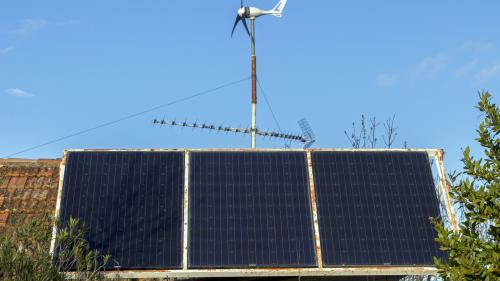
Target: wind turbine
[252,13]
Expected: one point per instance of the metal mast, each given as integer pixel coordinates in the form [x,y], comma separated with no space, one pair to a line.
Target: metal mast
[254,84]
[252,13]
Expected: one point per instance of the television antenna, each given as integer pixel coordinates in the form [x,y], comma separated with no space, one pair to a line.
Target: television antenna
[307,132]
[252,13]
[307,137]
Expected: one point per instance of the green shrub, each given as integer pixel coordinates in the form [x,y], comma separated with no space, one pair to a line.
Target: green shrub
[474,250]
[25,255]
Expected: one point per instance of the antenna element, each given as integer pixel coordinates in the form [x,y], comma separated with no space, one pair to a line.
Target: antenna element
[307,132]
[286,136]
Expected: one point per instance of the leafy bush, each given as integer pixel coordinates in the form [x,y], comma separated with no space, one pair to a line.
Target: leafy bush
[474,250]
[24,253]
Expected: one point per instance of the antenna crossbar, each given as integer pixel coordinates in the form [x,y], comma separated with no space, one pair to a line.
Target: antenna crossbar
[228,129]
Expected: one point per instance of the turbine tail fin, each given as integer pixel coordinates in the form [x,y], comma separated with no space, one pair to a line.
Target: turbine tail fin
[277,11]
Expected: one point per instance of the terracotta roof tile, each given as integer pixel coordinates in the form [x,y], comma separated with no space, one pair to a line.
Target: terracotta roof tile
[4,181]
[28,188]
[4,216]
[17,182]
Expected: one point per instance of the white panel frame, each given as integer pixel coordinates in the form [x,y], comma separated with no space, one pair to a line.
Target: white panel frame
[185,220]
[62,168]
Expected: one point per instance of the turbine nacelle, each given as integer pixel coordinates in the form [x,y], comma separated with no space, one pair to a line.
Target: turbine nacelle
[252,13]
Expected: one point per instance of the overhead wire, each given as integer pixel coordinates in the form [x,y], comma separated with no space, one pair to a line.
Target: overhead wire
[180,100]
[269,105]
[270,108]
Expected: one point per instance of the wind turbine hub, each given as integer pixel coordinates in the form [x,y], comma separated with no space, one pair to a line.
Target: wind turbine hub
[241,12]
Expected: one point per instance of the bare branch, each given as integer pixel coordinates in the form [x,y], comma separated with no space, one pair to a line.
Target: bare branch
[390,132]
[353,137]
[373,127]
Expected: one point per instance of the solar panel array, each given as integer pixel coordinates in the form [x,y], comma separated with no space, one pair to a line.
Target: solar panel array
[253,209]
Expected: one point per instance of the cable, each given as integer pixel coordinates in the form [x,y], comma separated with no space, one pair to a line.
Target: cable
[129,116]
[287,145]
[269,105]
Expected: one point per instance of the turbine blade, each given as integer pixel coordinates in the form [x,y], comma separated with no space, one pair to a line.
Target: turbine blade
[241,4]
[246,27]
[238,18]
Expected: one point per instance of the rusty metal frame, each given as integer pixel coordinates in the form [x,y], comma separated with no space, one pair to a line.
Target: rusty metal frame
[185,272]
[270,272]
[314,210]
[444,189]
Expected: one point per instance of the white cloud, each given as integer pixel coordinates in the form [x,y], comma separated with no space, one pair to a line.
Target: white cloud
[31,25]
[450,63]
[430,66]
[68,22]
[386,80]
[18,93]
[466,68]
[488,72]
[6,50]
[477,46]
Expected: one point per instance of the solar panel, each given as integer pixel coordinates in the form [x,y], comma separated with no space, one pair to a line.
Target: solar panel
[373,208]
[131,203]
[249,209]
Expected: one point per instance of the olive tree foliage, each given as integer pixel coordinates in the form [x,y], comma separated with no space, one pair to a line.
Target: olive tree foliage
[74,253]
[24,252]
[474,250]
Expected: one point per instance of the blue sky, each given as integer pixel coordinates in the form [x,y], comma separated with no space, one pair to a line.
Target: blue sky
[70,65]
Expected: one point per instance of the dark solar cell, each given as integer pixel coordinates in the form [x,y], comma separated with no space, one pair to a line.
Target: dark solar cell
[249,209]
[374,208]
[131,203]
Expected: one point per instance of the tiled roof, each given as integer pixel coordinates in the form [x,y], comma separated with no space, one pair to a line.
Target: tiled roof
[28,188]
